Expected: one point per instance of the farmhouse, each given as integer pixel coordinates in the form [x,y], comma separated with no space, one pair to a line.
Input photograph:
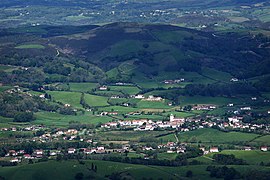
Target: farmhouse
[247,148]
[234,119]
[234,80]
[12,153]
[42,96]
[139,96]
[213,150]
[139,122]
[172,119]
[115,97]
[28,156]
[153,98]
[264,148]
[14,160]
[109,125]
[71,132]
[38,152]
[103,88]
[71,150]
[245,108]
[204,107]
[112,113]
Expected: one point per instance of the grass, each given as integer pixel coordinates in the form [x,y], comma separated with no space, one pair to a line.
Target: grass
[168,156]
[30,46]
[4,88]
[4,122]
[94,100]
[68,169]
[184,100]
[251,157]
[72,98]
[126,89]
[126,135]
[167,138]
[152,105]
[208,135]
[119,109]
[59,120]
[82,87]
[7,68]
[217,75]
[264,140]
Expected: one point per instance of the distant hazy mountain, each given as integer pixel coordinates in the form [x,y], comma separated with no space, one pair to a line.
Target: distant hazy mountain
[183,3]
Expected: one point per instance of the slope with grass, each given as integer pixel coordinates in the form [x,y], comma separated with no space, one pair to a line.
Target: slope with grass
[208,135]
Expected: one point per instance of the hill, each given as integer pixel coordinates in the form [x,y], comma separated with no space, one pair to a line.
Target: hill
[131,51]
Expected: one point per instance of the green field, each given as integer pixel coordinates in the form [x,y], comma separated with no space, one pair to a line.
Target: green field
[68,169]
[251,157]
[168,156]
[126,89]
[184,100]
[94,100]
[82,87]
[216,75]
[127,135]
[208,135]
[264,140]
[30,46]
[59,120]
[152,105]
[167,138]
[72,98]
[4,88]
[119,109]
[6,68]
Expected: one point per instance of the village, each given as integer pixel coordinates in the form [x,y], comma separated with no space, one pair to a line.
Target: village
[92,146]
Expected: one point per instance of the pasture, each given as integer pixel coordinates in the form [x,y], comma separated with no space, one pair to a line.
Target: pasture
[4,88]
[208,135]
[59,120]
[126,89]
[72,98]
[251,157]
[94,100]
[153,105]
[263,141]
[167,156]
[185,100]
[82,87]
[30,46]
[68,169]
[128,135]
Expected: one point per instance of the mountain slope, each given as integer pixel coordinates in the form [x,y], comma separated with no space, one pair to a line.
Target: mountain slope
[131,49]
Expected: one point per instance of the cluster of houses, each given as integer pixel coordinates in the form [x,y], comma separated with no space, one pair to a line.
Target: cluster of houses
[149,98]
[18,156]
[147,125]
[172,147]
[176,81]
[27,128]
[236,122]
[204,107]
